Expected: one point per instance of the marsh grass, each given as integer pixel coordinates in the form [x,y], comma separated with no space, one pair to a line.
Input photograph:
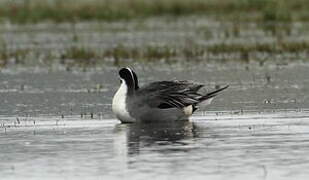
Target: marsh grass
[33,11]
[87,57]
[275,11]
[284,46]
[17,56]
[78,56]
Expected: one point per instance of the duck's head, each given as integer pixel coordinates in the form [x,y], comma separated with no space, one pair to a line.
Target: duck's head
[128,77]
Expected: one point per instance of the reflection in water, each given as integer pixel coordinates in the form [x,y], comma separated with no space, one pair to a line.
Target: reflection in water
[261,146]
[242,148]
[144,135]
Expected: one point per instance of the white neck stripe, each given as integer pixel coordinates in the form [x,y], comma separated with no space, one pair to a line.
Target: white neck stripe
[132,77]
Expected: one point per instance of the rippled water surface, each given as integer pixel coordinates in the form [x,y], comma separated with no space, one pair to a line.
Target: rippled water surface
[255,146]
[59,125]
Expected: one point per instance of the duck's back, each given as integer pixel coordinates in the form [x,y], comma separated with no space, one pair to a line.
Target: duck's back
[164,101]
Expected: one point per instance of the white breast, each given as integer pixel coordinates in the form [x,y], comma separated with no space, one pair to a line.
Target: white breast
[188,110]
[119,104]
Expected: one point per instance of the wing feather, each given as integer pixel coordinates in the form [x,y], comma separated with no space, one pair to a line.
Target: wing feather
[178,94]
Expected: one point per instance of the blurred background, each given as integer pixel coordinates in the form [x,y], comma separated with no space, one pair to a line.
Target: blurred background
[78,33]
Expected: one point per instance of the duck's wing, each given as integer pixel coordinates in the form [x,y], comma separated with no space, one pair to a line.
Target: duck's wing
[169,94]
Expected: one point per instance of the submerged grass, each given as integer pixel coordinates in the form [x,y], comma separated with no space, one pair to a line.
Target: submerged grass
[33,11]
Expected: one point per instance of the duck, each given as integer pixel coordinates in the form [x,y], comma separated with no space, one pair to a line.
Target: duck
[160,101]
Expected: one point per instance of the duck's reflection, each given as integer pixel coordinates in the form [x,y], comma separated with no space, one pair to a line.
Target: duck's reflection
[139,136]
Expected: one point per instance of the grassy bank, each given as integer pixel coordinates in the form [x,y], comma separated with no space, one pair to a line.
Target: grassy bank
[33,11]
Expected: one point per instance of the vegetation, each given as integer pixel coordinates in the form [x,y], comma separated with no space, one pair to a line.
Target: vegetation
[273,19]
[33,11]
[83,57]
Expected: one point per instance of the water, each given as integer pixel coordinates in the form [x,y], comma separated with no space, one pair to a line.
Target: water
[59,125]
[255,146]
[34,92]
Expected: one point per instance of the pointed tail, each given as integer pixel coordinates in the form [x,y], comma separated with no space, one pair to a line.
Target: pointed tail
[206,99]
[212,94]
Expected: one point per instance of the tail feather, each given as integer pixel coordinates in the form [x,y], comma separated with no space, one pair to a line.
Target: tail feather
[206,99]
[212,94]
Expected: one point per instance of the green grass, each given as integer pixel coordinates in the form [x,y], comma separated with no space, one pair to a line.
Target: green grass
[33,11]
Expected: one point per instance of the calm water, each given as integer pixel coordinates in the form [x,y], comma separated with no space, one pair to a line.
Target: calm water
[59,125]
[255,146]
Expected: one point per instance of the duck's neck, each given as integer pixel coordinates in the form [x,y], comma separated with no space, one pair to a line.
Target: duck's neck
[119,105]
[128,87]
[124,90]
[136,87]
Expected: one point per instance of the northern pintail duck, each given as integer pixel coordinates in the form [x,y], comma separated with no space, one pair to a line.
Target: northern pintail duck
[157,101]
